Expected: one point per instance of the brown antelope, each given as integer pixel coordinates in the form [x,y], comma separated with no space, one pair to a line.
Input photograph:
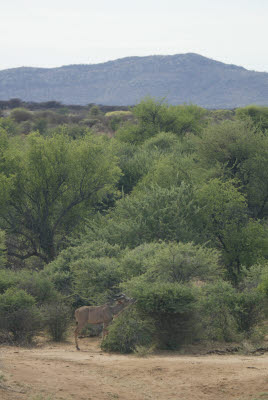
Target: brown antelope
[99,314]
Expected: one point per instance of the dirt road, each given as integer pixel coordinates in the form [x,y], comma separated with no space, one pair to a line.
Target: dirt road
[54,372]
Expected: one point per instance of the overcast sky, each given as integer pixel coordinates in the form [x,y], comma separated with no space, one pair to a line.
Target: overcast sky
[52,33]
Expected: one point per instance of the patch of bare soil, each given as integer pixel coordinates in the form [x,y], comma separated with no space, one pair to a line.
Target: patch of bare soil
[61,372]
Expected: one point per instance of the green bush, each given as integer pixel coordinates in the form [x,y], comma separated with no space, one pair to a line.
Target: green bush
[177,262]
[258,114]
[19,315]
[96,278]
[128,331]
[172,308]
[163,142]
[162,316]
[37,285]
[135,262]
[8,279]
[26,127]
[248,310]
[163,298]
[57,319]
[216,307]
[21,114]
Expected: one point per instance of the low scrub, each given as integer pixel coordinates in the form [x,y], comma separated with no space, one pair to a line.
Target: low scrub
[129,331]
[19,316]
[57,319]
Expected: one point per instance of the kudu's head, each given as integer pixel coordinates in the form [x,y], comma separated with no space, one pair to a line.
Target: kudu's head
[123,299]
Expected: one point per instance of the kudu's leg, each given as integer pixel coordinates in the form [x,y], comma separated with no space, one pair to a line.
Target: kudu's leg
[76,332]
[104,329]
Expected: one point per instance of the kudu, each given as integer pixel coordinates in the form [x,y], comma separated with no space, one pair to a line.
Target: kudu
[99,314]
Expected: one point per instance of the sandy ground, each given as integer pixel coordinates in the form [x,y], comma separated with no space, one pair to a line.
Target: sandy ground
[56,372]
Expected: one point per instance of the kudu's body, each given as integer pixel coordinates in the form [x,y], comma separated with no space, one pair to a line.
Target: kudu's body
[98,315]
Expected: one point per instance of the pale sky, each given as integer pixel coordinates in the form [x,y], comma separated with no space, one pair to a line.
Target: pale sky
[51,33]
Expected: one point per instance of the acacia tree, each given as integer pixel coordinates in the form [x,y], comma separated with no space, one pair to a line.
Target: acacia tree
[53,184]
[225,224]
[238,150]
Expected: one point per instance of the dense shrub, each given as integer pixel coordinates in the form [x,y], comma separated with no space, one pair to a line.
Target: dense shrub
[21,115]
[128,331]
[8,279]
[216,308]
[248,310]
[175,262]
[95,279]
[164,142]
[37,285]
[151,215]
[171,306]
[258,114]
[57,318]
[92,261]
[19,315]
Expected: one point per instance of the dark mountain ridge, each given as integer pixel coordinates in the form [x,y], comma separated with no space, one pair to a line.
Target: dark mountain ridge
[180,78]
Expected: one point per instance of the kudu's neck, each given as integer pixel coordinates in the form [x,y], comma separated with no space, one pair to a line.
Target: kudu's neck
[117,308]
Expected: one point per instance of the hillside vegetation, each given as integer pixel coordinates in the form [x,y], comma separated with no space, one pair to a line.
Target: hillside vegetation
[179,78]
[168,204]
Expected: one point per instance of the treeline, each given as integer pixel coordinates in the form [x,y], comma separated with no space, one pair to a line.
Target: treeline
[21,118]
[169,206]
[54,105]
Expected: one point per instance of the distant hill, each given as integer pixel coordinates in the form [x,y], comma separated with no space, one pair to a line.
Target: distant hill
[181,78]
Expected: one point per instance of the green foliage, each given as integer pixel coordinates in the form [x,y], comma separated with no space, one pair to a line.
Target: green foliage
[40,125]
[193,210]
[73,131]
[116,118]
[135,262]
[56,182]
[19,315]
[162,298]
[224,219]
[228,144]
[227,313]
[248,310]
[257,276]
[21,115]
[14,299]
[170,305]
[134,163]
[94,111]
[215,310]
[3,258]
[57,319]
[170,262]
[9,126]
[8,279]
[63,270]
[95,279]
[153,214]
[3,149]
[258,114]
[237,149]
[128,331]
[168,171]
[38,285]
[221,115]
[154,116]
[164,142]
